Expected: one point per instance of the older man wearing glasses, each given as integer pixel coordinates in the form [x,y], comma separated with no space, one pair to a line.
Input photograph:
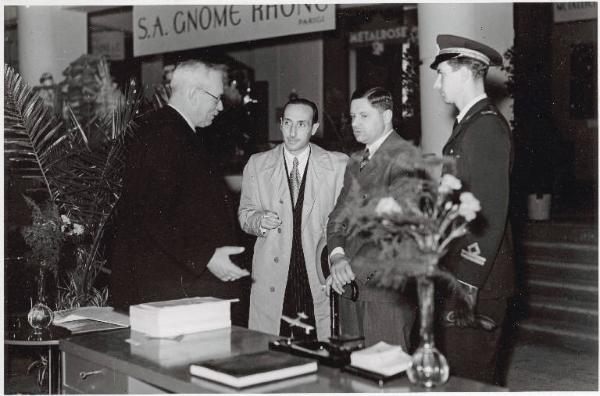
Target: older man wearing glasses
[287,195]
[175,225]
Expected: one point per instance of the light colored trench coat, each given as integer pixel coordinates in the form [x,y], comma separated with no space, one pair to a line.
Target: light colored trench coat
[265,187]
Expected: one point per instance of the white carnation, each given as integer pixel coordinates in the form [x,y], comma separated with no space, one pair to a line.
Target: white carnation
[77,229]
[469,206]
[449,183]
[387,206]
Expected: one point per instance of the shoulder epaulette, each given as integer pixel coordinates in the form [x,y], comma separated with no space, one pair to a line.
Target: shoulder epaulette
[488,112]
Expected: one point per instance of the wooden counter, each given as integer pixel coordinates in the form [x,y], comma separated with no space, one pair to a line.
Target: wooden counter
[122,361]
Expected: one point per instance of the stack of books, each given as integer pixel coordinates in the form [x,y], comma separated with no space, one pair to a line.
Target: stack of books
[184,316]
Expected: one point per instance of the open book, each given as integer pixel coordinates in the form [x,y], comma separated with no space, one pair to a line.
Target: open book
[88,319]
[256,368]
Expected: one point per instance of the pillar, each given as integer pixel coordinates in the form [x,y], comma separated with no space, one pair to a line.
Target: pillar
[490,23]
[50,38]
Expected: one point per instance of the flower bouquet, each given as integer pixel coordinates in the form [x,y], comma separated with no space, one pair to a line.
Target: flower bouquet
[412,222]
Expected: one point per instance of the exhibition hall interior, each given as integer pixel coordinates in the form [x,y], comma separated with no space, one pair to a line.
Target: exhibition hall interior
[150,250]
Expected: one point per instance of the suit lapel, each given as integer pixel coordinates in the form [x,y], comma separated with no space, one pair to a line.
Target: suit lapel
[384,154]
[275,170]
[314,178]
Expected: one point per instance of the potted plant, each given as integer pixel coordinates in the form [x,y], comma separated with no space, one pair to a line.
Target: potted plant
[75,168]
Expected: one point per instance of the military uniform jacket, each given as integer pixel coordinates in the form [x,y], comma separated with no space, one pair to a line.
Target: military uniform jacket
[482,147]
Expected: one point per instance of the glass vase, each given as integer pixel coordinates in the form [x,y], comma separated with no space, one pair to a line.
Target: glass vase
[40,316]
[429,367]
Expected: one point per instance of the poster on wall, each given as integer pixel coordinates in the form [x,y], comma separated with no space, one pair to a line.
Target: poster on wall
[158,29]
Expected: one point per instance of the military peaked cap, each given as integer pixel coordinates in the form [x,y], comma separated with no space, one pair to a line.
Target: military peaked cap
[456,47]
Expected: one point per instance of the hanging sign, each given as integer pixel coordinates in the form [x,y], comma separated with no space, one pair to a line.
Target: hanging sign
[111,44]
[158,29]
[576,11]
[391,34]
[379,30]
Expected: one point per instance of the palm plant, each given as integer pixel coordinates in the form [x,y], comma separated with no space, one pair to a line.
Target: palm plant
[77,168]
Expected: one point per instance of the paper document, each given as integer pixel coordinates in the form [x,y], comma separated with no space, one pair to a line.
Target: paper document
[100,314]
[381,358]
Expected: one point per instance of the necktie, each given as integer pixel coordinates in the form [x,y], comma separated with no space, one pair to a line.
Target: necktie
[295,180]
[455,124]
[364,159]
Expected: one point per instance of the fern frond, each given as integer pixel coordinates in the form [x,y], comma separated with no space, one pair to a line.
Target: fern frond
[31,134]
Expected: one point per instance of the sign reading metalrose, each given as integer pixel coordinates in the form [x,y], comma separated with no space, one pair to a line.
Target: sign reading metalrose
[160,29]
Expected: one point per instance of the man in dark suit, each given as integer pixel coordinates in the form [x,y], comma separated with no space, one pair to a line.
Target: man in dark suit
[378,314]
[483,260]
[174,220]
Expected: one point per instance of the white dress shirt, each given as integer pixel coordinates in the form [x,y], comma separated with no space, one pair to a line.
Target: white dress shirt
[373,147]
[302,160]
[466,109]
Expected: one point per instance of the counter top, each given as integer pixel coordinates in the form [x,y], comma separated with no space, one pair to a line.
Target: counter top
[164,363]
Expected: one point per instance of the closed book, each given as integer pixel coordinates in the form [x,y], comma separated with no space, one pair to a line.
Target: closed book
[178,327]
[256,368]
[183,316]
[170,309]
[182,350]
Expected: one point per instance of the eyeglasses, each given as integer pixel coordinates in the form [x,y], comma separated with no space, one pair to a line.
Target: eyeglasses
[217,98]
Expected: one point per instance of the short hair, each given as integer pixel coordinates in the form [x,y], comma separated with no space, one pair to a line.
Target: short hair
[188,71]
[478,69]
[379,97]
[305,102]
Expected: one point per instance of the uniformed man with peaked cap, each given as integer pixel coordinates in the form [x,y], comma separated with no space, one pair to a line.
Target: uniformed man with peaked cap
[482,260]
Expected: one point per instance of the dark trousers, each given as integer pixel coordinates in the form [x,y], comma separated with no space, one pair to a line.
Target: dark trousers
[473,353]
[389,321]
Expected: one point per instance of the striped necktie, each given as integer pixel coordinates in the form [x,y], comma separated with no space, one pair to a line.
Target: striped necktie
[364,159]
[295,180]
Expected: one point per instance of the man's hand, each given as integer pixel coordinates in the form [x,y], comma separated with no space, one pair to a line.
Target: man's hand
[222,267]
[269,220]
[341,273]
[462,303]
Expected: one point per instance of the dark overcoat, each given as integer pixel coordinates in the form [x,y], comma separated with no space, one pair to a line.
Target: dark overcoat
[174,211]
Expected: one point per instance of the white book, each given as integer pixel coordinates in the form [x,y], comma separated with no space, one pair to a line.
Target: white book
[184,305]
[182,350]
[175,329]
[175,317]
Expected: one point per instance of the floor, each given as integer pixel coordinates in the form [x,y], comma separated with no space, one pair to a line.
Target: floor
[531,368]
[549,368]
